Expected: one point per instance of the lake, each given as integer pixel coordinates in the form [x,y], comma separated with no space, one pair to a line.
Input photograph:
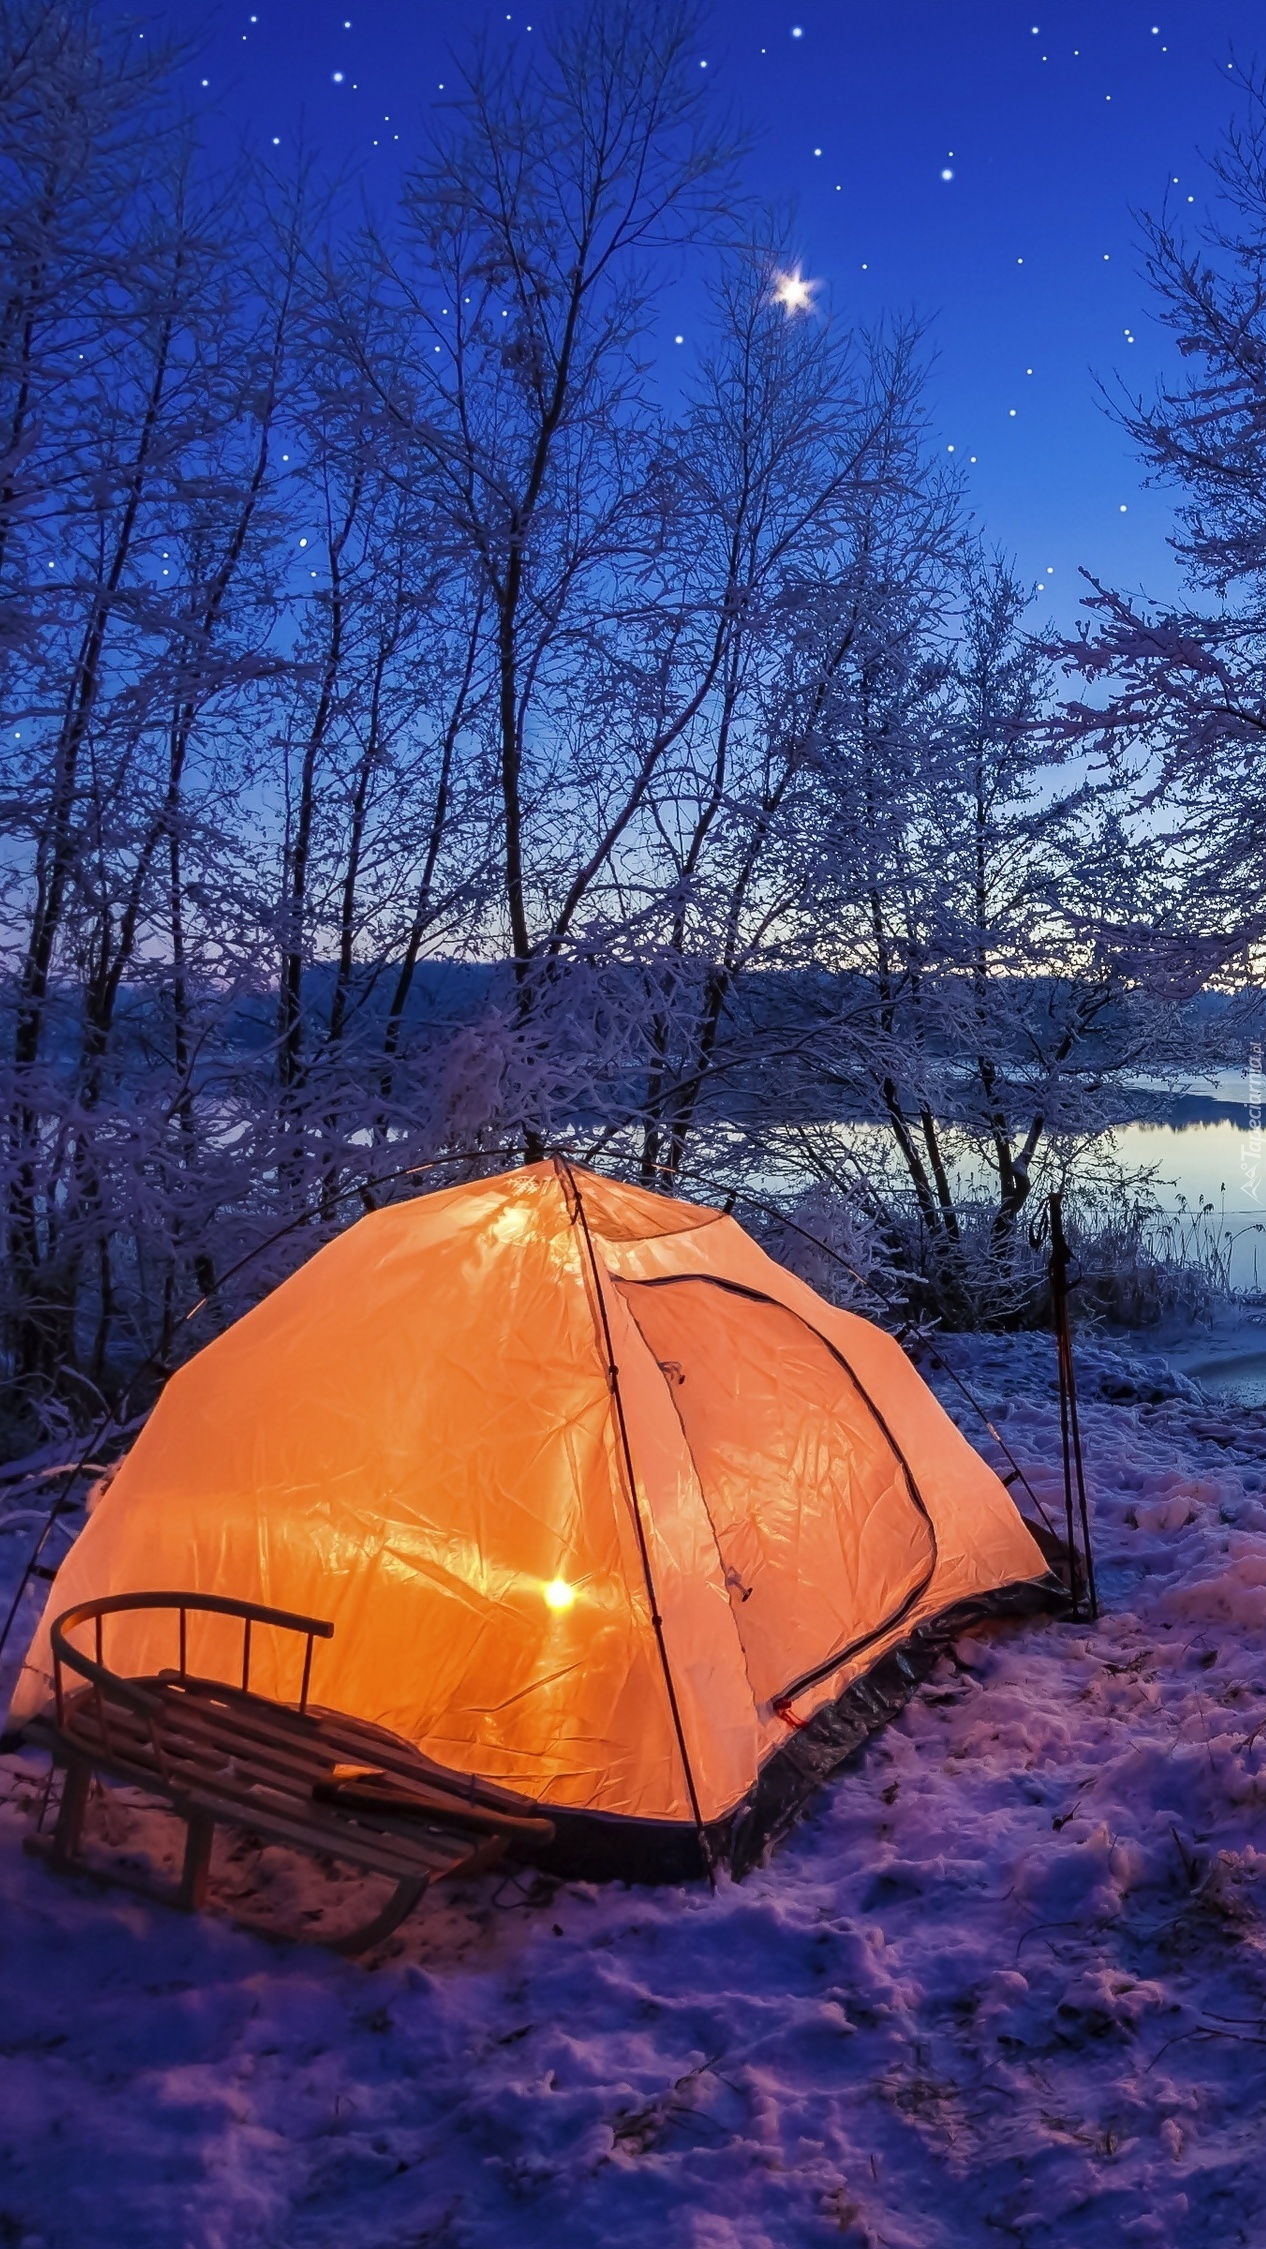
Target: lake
[1219,1163]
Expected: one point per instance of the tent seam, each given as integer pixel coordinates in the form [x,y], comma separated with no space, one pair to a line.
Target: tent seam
[602,1324]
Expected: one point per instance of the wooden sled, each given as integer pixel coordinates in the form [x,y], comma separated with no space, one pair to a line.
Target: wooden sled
[219,1754]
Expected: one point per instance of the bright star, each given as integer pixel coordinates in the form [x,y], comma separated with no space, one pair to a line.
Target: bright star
[793,293]
[947,174]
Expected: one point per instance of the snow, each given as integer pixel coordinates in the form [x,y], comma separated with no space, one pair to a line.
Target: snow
[1005,1983]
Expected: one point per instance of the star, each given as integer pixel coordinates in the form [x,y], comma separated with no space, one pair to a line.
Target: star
[793,293]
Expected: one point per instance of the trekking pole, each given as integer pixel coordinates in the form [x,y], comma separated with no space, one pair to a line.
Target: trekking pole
[1069,1424]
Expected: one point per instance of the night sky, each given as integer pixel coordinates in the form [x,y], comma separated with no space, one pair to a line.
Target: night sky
[975,160]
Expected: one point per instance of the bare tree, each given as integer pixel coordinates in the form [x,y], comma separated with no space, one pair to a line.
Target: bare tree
[537,232]
[1178,692]
[796,428]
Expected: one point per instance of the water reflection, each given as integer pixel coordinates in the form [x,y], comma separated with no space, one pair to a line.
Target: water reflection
[1238,1377]
[1207,1163]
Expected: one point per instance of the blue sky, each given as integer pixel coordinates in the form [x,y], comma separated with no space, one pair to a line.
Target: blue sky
[1056,123]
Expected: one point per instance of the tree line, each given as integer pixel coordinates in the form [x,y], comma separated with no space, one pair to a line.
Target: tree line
[426,741]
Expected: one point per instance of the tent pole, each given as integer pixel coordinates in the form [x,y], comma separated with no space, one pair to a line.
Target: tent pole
[1070,1427]
[578,1216]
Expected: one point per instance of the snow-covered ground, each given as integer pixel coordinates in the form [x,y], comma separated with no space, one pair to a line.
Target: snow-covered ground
[1005,1983]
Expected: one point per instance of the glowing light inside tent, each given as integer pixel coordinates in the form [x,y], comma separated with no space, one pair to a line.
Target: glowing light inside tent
[559,1594]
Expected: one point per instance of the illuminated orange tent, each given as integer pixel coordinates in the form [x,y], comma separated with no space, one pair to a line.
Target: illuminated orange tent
[604,1505]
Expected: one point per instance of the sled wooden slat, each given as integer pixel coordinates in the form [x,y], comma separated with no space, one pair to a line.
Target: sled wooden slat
[196,1740]
[417,1784]
[221,1754]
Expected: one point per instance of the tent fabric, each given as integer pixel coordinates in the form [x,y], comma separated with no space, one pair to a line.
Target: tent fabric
[601,1501]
